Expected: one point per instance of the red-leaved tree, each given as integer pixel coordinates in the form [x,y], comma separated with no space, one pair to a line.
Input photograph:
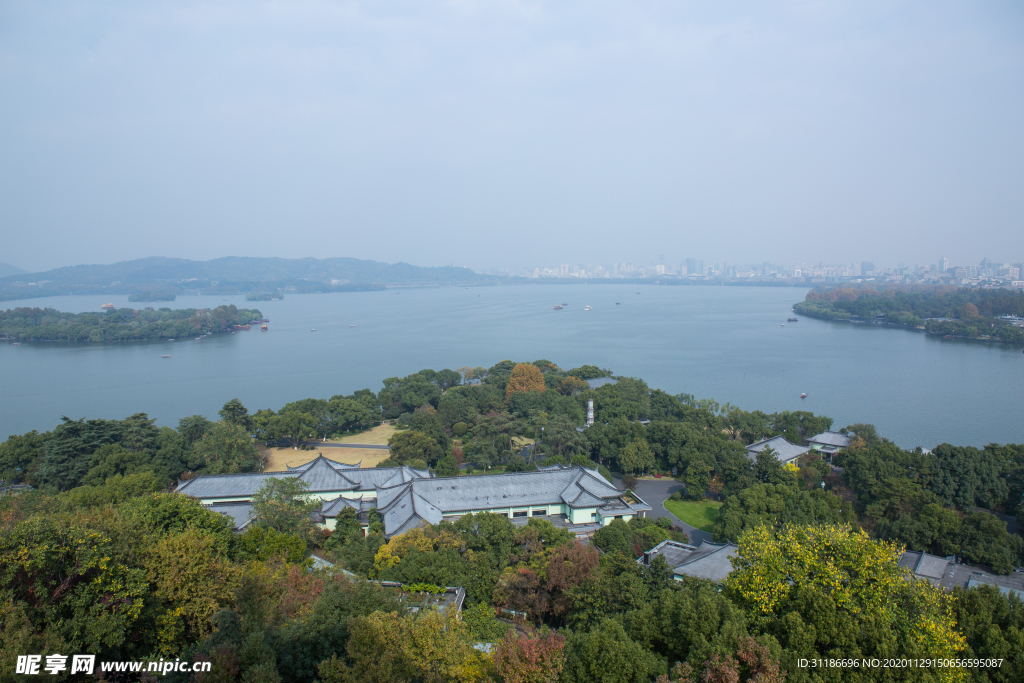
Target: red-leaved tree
[520,659]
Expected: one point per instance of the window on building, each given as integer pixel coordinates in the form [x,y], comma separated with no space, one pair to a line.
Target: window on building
[593,515]
[519,513]
[618,516]
[539,513]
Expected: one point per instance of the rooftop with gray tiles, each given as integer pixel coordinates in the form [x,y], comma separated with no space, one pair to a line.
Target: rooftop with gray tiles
[710,561]
[785,451]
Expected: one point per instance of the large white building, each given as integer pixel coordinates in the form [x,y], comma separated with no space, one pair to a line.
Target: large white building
[575,498]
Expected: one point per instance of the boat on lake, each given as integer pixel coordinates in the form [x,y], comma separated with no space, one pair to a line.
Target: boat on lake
[107,306]
[803,395]
[558,307]
[791,320]
[165,356]
[586,308]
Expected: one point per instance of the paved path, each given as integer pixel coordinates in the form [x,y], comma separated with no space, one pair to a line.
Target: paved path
[655,492]
[377,446]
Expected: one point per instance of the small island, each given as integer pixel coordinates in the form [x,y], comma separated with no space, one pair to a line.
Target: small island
[122,324]
[983,314]
[264,296]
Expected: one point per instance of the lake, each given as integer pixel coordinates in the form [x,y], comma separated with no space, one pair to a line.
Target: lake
[726,343]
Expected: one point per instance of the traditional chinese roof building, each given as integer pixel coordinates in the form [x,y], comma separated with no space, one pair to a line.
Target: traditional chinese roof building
[710,561]
[576,498]
[784,450]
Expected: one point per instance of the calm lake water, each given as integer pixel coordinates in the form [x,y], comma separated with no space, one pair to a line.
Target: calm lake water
[726,343]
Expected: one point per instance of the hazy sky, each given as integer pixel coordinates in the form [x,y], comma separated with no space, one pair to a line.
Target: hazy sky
[502,132]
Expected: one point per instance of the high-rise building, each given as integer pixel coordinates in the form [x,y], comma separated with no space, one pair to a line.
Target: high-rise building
[943,264]
[866,267]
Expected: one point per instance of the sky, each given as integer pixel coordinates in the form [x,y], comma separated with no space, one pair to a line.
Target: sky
[508,132]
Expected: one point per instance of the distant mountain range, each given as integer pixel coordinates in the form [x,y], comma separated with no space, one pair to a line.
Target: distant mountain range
[230,275]
[7,269]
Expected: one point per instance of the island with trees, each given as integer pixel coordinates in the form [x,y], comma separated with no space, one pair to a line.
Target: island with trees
[968,313]
[264,296]
[100,558]
[122,324]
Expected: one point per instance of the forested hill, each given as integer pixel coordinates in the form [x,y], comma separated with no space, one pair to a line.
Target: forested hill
[7,269]
[120,325]
[229,275]
[958,312]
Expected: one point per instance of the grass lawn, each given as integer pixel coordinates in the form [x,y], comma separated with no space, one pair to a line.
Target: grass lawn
[697,513]
[379,435]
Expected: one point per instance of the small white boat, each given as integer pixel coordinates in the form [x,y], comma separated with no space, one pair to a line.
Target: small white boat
[803,395]
[313,330]
[351,325]
[165,356]
[586,308]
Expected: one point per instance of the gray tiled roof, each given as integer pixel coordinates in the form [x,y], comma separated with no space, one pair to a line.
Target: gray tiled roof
[376,477]
[228,485]
[519,489]
[948,574]
[406,511]
[334,463]
[834,439]
[924,565]
[321,475]
[408,497]
[976,581]
[239,513]
[711,561]
[405,505]
[332,508]
[784,450]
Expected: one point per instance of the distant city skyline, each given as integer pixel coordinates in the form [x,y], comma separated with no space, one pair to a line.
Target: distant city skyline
[950,268]
[988,271]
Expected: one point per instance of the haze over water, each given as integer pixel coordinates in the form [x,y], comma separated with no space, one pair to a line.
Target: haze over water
[726,343]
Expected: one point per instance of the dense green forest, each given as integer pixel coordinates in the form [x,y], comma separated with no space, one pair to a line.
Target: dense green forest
[122,324]
[966,312]
[101,559]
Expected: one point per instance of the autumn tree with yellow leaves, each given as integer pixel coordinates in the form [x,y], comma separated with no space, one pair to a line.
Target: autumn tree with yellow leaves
[524,377]
[829,588]
[388,647]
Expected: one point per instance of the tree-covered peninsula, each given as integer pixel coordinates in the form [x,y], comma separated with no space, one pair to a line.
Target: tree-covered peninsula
[944,311]
[122,324]
[101,559]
